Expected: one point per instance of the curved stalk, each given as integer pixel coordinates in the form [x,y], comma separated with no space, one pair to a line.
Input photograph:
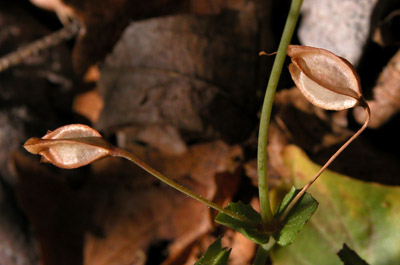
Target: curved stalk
[263,252]
[117,152]
[333,157]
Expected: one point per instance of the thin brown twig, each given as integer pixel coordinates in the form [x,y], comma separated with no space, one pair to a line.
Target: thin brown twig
[333,157]
[16,57]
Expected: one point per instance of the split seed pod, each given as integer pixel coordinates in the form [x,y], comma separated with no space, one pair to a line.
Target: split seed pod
[326,80]
[70,146]
[329,82]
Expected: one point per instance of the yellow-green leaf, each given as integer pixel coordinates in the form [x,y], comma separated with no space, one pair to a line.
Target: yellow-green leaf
[296,218]
[365,216]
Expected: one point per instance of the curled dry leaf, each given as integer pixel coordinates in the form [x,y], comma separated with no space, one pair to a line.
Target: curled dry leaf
[326,80]
[70,146]
[385,103]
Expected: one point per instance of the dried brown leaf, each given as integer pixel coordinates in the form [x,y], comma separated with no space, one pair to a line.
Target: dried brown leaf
[58,214]
[243,250]
[174,70]
[88,104]
[165,138]
[242,253]
[103,21]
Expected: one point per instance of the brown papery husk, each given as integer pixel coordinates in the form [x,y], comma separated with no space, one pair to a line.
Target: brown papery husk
[298,53]
[324,100]
[93,147]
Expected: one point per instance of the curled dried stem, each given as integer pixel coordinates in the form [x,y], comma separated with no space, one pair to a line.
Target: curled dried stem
[261,53]
[364,104]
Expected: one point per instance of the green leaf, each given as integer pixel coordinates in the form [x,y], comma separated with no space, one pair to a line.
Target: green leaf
[249,230]
[297,217]
[363,215]
[215,255]
[350,257]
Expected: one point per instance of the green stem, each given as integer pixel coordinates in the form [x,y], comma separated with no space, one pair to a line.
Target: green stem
[263,252]
[131,157]
[290,25]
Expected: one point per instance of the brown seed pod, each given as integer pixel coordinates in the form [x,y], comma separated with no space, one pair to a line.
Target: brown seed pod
[70,146]
[325,79]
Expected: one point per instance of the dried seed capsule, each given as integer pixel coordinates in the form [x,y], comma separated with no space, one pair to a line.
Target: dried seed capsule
[329,82]
[326,80]
[70,146]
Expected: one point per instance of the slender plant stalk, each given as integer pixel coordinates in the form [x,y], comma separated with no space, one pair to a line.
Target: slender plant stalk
[287,34]
[333,157]
[263,193]
[117,152]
